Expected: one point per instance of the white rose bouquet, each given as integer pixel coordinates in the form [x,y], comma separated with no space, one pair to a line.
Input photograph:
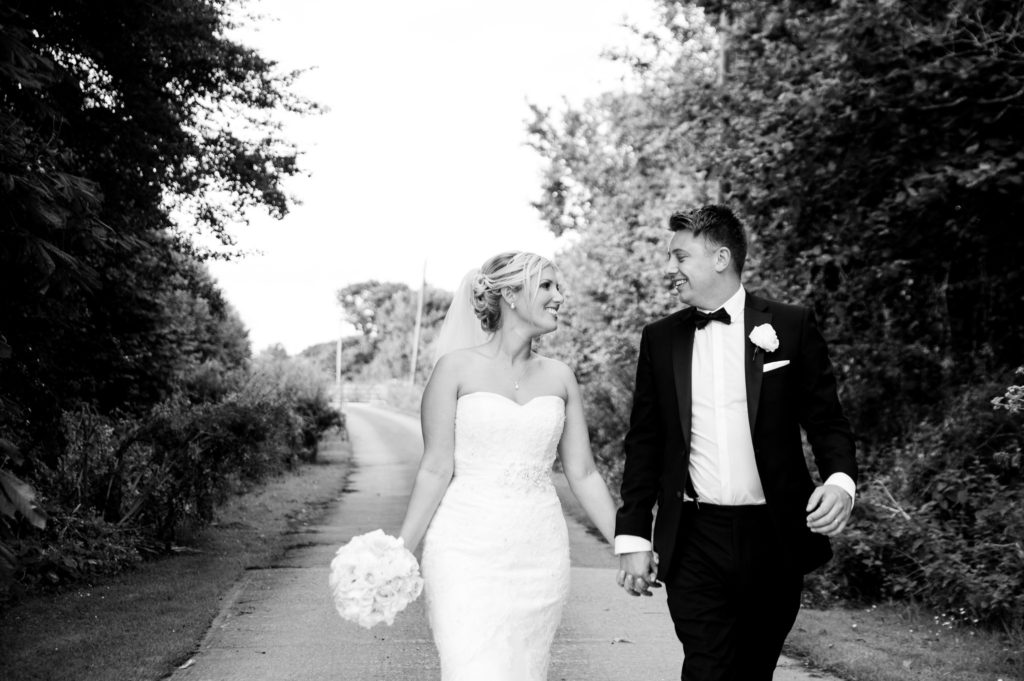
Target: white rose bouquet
[373,578]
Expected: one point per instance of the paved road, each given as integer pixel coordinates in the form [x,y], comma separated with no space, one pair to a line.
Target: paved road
[278,624]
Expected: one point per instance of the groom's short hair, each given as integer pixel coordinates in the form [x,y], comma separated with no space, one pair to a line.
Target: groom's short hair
[719,225]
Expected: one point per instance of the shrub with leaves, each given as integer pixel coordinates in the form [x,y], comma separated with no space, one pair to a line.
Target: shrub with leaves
[945,524]
[301,385]
[127,487]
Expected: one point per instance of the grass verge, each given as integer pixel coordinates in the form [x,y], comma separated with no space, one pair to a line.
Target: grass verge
[140,625]
[903,643]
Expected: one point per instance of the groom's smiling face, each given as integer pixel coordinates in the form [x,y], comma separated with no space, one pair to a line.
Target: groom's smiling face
[694,268]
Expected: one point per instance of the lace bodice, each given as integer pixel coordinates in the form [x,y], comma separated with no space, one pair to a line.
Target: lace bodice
[500,442]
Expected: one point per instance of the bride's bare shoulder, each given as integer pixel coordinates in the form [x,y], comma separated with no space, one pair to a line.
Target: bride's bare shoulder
[552,364]
[558,369]
[458,363]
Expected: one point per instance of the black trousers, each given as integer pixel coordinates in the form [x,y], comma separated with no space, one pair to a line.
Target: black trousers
[730,599]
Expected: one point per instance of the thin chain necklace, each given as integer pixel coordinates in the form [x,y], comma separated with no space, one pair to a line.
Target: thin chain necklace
[515,381]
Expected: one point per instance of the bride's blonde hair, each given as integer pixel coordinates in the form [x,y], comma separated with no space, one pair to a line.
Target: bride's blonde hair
[517,270]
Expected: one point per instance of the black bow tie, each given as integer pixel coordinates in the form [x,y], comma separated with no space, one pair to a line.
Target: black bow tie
[719,315]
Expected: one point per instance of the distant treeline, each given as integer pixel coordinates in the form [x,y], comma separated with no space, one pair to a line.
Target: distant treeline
[384,315]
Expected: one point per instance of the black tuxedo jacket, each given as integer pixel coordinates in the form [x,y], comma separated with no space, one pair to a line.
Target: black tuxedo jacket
[779,403]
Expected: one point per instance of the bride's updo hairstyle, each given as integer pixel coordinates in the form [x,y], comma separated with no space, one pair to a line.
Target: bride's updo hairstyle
[517,270]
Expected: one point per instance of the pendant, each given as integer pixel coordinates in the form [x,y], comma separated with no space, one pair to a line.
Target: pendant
[515,384]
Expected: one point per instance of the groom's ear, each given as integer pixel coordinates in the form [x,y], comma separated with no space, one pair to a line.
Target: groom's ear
[723,258]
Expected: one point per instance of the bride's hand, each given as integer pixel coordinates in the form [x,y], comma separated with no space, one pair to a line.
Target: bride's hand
[638,572]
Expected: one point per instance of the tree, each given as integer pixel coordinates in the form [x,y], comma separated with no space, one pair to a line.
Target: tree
[113,119]
[356,352]
[109,120]
[364,302]
[385,312]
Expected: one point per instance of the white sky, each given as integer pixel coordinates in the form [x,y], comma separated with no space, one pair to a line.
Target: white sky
[422,155]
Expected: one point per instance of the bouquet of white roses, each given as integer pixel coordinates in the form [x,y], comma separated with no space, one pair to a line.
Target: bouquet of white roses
[373,578]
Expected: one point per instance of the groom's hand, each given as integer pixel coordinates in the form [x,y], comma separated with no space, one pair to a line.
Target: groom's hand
[828,510]
[638,572]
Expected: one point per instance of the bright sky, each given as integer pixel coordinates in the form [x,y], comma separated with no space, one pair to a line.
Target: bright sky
[422,156]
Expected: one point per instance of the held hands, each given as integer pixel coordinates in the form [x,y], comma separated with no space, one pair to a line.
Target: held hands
[638,572]
[828,510]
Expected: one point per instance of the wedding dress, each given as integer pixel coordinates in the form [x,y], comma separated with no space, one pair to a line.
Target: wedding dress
[496,555]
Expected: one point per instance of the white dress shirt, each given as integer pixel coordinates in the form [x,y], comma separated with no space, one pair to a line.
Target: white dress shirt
[722,465]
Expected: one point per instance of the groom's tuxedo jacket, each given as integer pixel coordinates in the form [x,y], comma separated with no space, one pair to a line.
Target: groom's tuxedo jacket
[779,403]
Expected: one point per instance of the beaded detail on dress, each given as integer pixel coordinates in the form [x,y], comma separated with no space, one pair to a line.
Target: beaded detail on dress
[528,478]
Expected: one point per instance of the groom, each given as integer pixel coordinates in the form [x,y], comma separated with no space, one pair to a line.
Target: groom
[723,388]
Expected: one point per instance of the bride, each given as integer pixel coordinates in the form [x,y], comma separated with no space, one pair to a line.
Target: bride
[494,413]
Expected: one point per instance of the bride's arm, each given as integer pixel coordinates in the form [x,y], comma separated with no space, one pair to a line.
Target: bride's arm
[437,416]
[585,480]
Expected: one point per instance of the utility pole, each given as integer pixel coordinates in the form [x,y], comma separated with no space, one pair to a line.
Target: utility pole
[337,370]
[416,330]
[724,36]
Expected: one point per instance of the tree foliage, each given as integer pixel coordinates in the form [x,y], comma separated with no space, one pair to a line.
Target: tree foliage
[124,129]
[108,121]
[873,151]
[385,313]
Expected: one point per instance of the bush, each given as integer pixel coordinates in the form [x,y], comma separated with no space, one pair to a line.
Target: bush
[125,488]
[944,524]
[303,387]
[76,546]
[317,417]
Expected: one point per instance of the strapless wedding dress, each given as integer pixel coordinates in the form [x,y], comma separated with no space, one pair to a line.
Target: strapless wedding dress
[496,555]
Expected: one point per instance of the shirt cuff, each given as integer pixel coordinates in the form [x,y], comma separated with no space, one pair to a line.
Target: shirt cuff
[627,543]
[840,480]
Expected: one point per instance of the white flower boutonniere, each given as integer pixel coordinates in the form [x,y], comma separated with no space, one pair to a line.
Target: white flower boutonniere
[764,337]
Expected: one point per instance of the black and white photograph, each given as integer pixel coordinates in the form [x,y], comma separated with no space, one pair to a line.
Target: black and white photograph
[562,340]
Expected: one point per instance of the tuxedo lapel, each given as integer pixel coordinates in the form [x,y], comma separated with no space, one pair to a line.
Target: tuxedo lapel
[755,313]
[682,369]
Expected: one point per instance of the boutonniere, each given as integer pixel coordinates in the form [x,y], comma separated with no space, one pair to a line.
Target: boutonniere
[764,337]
